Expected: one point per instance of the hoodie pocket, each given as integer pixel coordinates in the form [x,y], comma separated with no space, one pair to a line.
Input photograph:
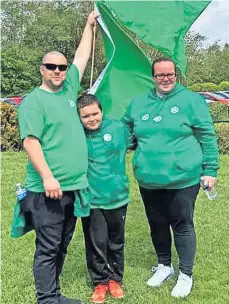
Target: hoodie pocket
[110,189]
[154,168]
[189,160]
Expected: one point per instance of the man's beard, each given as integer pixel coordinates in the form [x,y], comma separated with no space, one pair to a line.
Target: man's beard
[54,86]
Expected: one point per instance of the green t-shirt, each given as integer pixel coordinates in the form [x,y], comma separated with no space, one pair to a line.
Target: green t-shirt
[53,119]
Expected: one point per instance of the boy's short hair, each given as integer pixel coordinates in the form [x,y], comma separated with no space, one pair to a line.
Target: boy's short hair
[87,100]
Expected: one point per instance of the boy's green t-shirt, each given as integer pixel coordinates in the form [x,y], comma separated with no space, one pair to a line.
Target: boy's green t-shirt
[53,119]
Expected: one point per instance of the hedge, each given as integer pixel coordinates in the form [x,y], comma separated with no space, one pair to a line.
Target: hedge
[210,87]
[219,111]
[223,86]
[222,132]
[11,140]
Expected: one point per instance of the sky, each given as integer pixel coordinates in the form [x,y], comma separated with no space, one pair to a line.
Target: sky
[214,22]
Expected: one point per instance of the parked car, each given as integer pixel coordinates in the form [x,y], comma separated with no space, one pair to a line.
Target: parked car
[9,101]
[224,94]
[213,97]
[16,99]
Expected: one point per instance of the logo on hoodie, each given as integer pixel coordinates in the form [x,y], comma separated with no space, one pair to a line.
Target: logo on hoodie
[157,118]
[107,137]
[174,110]
[145,117]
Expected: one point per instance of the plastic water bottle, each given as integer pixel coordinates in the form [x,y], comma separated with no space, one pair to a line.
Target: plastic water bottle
[21,192]
[211,194]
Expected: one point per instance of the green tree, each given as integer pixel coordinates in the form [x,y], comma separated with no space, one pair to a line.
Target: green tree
[196,58]
[206,63]
[218,62]
[34,28]
[20,71]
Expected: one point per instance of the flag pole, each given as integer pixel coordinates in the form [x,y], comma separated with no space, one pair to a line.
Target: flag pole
[93,55]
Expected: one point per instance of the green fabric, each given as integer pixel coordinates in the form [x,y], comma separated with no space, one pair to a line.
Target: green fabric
[176,139]
[19,227]
[106,169]
[129,72]
[53,119]
[82,202]
[162,24]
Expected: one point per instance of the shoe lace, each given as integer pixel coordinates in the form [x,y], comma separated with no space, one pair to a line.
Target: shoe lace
[114,284]
[154,269]
[100,288]
[114,287]
[183,278]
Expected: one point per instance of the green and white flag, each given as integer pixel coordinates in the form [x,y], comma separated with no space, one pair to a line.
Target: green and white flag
[161,24]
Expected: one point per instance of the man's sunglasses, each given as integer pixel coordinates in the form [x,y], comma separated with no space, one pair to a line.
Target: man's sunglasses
[53,67]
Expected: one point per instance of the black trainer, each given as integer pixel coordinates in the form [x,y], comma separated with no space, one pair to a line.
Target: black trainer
[64,300]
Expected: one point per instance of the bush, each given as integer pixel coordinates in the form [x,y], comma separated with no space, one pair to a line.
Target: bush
[10,139]
[222,132]
[204,87]
[209,87]
[218,111]
[223,86]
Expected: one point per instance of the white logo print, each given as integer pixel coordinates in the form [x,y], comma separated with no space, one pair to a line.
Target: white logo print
[107,137]
[145,117]
[71,103]
[174,110]
[157,118]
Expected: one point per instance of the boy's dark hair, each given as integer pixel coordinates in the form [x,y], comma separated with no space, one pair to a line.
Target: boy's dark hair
[162,59]
[87,100]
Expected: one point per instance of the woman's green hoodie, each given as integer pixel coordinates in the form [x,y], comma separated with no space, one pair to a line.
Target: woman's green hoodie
[106,168]
[176,141]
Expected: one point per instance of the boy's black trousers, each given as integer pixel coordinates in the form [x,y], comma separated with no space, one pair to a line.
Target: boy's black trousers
[104,233]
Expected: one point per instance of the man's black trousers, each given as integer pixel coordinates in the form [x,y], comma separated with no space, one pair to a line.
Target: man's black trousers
[54,224]
[172,208]
[104,233]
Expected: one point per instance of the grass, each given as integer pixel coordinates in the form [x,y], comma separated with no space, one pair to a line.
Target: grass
[211,275]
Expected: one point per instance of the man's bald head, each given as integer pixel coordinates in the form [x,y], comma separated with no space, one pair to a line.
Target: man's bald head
[51,55]
[53,70]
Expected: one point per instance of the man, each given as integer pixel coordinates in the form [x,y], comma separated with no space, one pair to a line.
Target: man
[176,145]
[56,170]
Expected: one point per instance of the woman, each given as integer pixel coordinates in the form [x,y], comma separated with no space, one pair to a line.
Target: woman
[176,145]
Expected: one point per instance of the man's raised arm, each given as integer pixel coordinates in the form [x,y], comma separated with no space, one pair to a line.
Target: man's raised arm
[83,51]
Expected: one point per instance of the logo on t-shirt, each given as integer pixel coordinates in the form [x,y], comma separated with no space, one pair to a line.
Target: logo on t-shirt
[71,103]
[107,137]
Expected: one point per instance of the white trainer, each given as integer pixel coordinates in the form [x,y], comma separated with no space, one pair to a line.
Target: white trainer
[183,286]
[161,274]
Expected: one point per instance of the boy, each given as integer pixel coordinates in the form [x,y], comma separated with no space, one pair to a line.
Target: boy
[104,229]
